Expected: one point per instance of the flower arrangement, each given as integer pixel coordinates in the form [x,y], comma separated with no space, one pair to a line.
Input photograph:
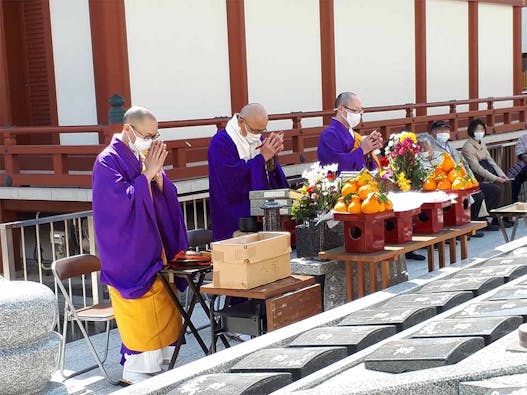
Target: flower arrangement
[407,170]
[318,194]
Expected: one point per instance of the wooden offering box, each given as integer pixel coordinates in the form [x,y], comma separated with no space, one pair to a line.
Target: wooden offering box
[363,232]
[430,219]
[399,228]
[459,212]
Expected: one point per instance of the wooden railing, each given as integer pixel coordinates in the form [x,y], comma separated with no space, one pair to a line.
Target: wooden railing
[58,165]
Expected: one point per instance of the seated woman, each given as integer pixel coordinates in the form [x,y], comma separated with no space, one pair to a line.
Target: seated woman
[519,171]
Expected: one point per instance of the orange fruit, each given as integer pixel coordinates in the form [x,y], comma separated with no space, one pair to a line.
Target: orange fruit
[365,190]
[388,205]
[461,169]
[430,184]
[354,207]
[453,174]
[439,172]
[447,163]
[475,182]
[468,182]
[364,177]
[458,183]
[340,207]
[370,205]
[444,184]
[349,187]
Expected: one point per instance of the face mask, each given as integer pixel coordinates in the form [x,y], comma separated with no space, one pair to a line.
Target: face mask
[253,138]
[352,118]
[140,143]
[479,135]
[443,137]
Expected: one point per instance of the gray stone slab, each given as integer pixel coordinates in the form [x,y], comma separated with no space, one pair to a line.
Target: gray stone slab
[496,308]
[503,385]
[416,354]
[510,293]
[442,301]
[403,318]
[477,285]
[508,272]
[234,384]
[490,328]
[299,361]
[506,260]
[354,338]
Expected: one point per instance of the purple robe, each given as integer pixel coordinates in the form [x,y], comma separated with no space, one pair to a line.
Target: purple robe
[335,146]
[231,179]
[130,224]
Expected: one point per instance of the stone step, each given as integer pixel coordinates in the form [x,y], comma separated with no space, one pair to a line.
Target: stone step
[403,318]
[506,260]
[477,285]
[442,301]
[299,361]
[497,308]
[508,272]
[234,384]
[354,338]
[416,354]
[514,384]
[518,292]
[489,328]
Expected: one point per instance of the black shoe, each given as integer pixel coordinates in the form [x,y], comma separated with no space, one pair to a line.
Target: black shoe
[478,235]
[415,256]
[491,228]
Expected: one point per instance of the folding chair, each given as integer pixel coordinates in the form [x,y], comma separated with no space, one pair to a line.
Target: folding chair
[76,266]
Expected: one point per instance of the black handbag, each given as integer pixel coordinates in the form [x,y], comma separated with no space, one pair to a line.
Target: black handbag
[487,166]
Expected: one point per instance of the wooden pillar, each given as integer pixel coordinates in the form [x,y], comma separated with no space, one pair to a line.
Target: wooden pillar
[5,105]
[420,54]
[327,55]
[110,54]
[517,50]
[473,53]
[237,54]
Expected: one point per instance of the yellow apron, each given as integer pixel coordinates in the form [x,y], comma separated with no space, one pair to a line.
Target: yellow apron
[147,323]
[356,144]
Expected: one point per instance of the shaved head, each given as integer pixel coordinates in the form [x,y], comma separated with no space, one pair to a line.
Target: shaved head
[136,115]
[255,118]
[345,98]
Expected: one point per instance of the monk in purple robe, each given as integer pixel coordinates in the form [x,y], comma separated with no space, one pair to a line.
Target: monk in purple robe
[241,161]
[338,142]
[138,226]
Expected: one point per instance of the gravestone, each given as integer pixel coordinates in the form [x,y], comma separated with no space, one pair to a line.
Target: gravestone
[497,308]
[506,260]
[510,293]
[299,361]
[490,328]
[442,301]
[503,385]
[477,285]
[354,338]
[403,318]
[416,354]
[508,272]
[29,349]
[234,384]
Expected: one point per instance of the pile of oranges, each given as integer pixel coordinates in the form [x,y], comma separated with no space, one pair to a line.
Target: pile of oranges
[449,175]
[361,195]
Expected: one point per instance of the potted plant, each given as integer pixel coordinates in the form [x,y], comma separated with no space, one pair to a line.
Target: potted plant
[315,230]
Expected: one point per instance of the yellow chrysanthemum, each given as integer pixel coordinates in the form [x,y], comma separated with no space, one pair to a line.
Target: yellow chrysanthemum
[403,182]
[408,135]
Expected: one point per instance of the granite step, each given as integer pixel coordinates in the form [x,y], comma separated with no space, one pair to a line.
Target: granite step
[513,384]
[299,361]
[477,285]
[489,328]
[508,272]
[519,292]
[354,338]
[442,301]
[506,260]
[417,354]
[234,384]
[496,308]
[403,317]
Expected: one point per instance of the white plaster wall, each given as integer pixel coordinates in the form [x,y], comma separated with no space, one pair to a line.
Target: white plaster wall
[375,52]
[446,52]
[74,80]
[178,59]
[283,56]
[495,51]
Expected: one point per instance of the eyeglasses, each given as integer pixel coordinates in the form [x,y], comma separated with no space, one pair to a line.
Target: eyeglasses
[354,110]
[252,130]
[143,136]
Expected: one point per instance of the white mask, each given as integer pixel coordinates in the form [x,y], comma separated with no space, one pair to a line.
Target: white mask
[140,144]
[479,135]
[253,138]
[443,137]
[352,118]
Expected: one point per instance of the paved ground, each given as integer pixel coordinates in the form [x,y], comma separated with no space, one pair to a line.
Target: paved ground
[78,356]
